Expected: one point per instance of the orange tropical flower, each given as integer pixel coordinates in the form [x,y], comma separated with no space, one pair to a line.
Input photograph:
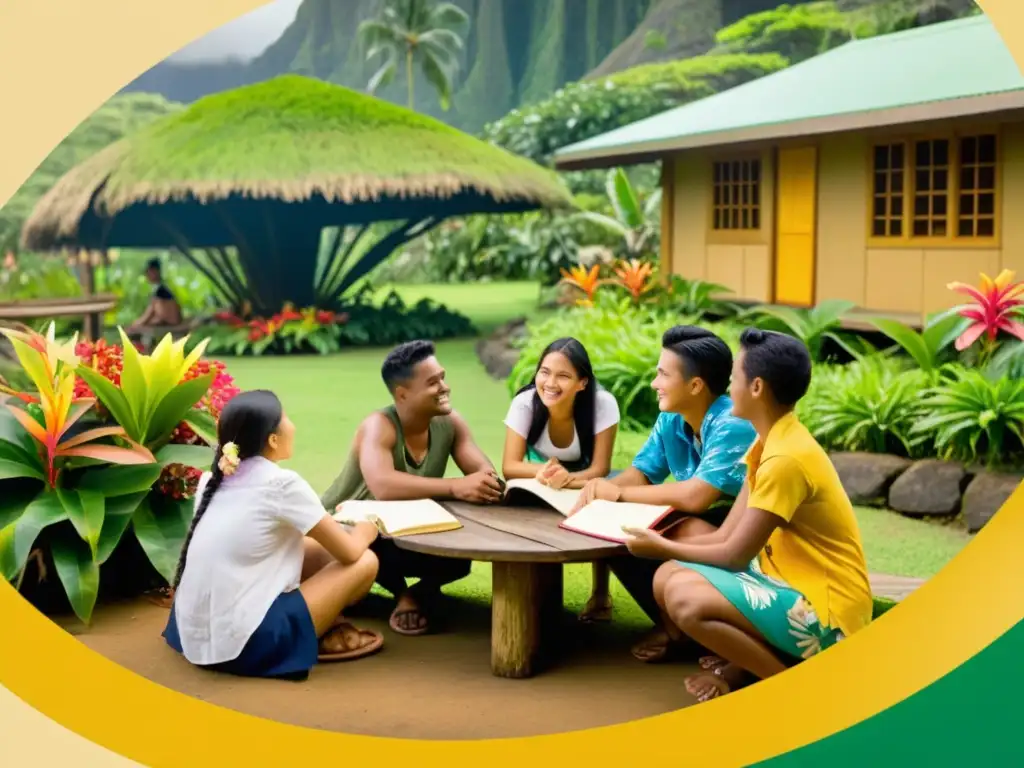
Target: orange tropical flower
[635,277]
[996,307]
[51,367]
[586,281]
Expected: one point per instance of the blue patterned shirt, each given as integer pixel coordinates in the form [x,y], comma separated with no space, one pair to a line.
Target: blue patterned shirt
[715,456]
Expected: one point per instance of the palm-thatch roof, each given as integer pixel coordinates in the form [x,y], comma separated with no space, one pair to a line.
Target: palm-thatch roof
[290,140]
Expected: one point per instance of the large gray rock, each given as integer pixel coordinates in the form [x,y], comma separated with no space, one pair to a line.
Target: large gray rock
[497,352]
[985,495]
[928,488]
[866,477]
[498,357]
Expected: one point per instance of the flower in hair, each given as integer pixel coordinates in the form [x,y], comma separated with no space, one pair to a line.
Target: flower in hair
[229,460]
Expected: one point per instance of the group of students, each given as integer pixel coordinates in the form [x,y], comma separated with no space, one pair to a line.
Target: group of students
[766,567]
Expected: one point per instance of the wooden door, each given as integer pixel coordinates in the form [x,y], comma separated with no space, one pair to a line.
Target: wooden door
[797,179]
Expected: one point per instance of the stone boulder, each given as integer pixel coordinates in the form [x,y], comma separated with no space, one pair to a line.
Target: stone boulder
[866,477]
[985,495]
[928,488]
[497,353]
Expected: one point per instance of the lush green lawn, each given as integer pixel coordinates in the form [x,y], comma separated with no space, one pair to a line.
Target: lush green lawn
[488,305]
[327,398]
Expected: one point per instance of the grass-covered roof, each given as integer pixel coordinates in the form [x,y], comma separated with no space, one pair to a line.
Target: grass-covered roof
[290,139]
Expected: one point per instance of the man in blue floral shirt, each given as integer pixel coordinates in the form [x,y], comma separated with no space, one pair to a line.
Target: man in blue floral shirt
[697,445]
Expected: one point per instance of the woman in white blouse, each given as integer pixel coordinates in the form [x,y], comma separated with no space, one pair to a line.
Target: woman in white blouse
[561,431]
[265,572]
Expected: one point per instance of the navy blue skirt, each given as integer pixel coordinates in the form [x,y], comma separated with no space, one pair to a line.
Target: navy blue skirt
[284,645]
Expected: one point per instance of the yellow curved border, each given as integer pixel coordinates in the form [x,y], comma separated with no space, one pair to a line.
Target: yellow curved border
[87,52]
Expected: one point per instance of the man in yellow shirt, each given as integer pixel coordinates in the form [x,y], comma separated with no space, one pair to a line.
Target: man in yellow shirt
[784,577]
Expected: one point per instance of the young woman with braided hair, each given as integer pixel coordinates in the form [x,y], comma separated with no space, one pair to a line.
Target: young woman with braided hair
[264,572]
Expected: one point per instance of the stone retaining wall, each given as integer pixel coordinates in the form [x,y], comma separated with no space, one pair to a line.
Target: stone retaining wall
[927,488]
[924,489]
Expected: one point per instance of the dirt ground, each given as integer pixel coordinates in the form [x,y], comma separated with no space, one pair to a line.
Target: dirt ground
[431,687]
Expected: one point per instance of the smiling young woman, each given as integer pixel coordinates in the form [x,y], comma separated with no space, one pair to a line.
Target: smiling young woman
[561,431]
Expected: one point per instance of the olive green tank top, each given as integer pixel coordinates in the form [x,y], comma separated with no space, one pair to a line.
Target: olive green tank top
[350,485]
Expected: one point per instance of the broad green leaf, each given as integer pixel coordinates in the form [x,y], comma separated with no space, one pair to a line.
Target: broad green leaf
[135,387]
[113,400]
[623,199]
[43,511]
[9,568]
[120,480]
[160,525]
[116,522]
[11,450]
[911,341]
[14,498]
[86,510]
[173,408]
[198,456]
[79,573]
[203,424]
[14,469]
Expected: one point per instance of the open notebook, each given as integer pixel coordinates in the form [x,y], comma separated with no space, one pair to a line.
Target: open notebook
[399,518]
[520,492]
[601,519]
[606,519]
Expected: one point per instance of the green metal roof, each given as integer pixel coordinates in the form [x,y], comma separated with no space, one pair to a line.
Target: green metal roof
[936,63]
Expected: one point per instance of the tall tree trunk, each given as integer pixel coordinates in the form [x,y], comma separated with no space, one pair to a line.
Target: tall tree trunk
[408,76]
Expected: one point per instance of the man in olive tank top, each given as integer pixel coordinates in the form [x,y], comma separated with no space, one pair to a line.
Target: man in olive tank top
[401,453]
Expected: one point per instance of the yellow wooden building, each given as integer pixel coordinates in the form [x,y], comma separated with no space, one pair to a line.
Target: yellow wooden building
[877,172]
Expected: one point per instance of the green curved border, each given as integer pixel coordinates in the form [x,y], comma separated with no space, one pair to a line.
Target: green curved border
[973,713]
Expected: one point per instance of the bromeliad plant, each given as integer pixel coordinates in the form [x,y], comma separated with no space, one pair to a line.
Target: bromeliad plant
[154,411]
[290,330]
[996,308]
[79,487]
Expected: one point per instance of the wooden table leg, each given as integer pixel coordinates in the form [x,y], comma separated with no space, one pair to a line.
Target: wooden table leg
[516,617]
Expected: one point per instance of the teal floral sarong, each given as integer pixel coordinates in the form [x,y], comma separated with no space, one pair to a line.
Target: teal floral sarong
[781,614]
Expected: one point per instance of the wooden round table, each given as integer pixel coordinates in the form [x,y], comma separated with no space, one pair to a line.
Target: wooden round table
[527,550]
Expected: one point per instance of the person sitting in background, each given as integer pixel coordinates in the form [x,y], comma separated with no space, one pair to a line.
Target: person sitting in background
[264,573]
[561,430]
[784,578]
[163,309]
[696,441]
[402,453]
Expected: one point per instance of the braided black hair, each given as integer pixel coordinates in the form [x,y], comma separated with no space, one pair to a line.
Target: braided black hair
[248,421]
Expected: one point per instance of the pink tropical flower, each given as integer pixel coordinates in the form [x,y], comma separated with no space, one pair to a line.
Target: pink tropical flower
[996,307]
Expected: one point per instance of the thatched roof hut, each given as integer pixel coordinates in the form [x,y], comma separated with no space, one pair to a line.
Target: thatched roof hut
[265,168]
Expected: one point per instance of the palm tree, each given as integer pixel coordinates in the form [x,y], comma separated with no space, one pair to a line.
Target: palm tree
[416,30]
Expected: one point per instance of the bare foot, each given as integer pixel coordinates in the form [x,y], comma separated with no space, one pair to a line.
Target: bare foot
[408,617]
[713,683]
[597,609]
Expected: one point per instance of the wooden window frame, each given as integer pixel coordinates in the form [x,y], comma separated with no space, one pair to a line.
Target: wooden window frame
[952,239]
[751,235]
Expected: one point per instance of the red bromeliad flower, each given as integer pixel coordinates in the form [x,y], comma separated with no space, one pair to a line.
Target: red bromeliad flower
[996,307]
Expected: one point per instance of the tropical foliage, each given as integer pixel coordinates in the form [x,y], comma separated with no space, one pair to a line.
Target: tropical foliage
[362,322]
[415,32]
[107,443]
[930,394]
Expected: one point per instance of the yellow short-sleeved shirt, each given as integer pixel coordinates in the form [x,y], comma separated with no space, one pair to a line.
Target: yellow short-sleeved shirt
[817,550]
